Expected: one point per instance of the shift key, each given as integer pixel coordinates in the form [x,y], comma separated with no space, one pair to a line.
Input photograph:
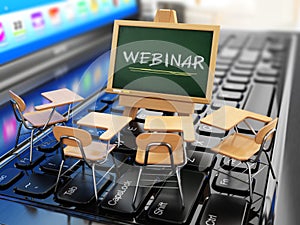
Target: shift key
[259,101]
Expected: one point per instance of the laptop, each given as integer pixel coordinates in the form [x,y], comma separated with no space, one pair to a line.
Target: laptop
[48,45]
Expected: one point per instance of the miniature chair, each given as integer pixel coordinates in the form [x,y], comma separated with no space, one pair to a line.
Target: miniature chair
[33,120]
[160,150]
[79,144]
[242,147]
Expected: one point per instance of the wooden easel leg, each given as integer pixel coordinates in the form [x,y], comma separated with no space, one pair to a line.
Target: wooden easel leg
[165,16]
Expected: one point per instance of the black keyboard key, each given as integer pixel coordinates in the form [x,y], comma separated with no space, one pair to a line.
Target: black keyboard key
[119,198]
[218,104]
[238,41]
[143,113]
[232,183]
[52,164]
[98,107]
[48,146]
[222,61]
[36,185]
[220,74]
[229,53]
[200,161]
[241,73]
[249,56]
[230,96]
[257,42]
[266,56]
[204,143]
[277,64]
[204,129]
[222,67]
[266,80]
[238,80]
[277,46]
[225,210]
[264,93]
[237,166]
[244,66]
[267,71]
[234,87]
[109,98]
[24,163]
[80,190]
[9,176]
[199,108]
[117,109]
[167,207]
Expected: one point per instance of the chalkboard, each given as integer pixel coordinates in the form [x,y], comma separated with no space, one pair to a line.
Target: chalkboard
[165,60]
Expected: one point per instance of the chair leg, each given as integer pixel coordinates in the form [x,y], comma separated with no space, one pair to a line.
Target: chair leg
[59,174]
[119,138]
[31,145]
[179,185]
[94,182]
[18,135]
[116,166]
[137,186]
[270,165]
[250,181]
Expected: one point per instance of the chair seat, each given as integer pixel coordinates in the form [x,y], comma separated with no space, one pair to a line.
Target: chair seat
[238,146]
[40,118]
[160,158]
[93,152]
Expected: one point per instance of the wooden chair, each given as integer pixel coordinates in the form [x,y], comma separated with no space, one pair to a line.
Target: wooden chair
[160,150]
[32,120]
[242,147]
[79,144]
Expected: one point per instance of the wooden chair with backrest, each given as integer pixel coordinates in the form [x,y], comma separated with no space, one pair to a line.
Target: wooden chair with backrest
[79,144]
[160,150]
[32,120]
[243,147]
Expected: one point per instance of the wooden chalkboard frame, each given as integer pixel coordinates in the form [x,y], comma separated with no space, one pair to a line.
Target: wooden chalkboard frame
[214,47]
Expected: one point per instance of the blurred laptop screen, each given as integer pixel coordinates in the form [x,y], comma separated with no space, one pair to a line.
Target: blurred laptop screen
[28,26]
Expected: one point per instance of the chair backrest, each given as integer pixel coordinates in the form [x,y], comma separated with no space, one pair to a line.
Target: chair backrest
[172,139]
[70,132]
[18,100]
[265,130]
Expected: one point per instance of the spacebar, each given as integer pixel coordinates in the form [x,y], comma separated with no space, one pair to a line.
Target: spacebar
[259,101]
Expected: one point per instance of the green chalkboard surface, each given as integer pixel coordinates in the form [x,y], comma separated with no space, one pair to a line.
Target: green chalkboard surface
[169,60]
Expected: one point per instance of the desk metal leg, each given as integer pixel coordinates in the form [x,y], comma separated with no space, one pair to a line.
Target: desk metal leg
[31,145]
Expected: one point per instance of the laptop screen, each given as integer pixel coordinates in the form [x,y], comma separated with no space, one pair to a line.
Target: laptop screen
[28,26]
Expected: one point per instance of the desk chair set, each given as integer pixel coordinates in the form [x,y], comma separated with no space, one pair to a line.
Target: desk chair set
[163,146]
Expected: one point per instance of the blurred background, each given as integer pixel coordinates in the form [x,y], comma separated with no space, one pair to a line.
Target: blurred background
[242,14]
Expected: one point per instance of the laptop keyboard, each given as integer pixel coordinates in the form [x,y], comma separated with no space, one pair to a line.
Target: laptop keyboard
[249,75]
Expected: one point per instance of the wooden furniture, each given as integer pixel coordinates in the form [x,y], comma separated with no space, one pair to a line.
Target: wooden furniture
[58,98]
[242,147]
[182,124]
[160,150]
[79,145]
[133,103]
[183,104]
[33,120]
[227,117]
[111,123]
[195,79]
